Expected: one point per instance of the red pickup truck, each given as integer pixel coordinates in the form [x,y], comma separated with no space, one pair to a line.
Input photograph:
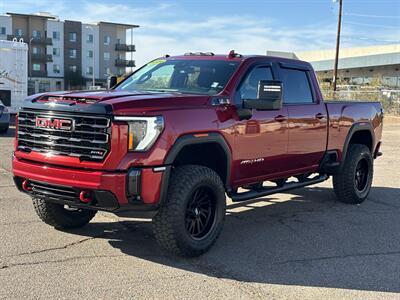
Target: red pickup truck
[179,134]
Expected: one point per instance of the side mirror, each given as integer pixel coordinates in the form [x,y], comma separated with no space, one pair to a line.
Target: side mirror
[269,96]
[112,81]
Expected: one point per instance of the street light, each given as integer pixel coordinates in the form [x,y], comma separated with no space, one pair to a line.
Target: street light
[94,47]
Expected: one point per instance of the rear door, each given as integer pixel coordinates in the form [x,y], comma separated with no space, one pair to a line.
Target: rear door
[307,122]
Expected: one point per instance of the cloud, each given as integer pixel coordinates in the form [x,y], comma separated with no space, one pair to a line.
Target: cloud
[168,28]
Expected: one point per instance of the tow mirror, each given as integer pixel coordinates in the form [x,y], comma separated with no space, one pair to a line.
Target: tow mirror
[269,96]
[112,81]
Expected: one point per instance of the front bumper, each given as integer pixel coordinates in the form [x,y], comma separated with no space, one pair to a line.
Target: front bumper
[135,189]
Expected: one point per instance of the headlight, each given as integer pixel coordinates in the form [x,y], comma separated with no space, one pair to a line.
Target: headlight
[143,131]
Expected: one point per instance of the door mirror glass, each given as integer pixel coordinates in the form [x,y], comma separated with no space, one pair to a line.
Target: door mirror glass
[269,96]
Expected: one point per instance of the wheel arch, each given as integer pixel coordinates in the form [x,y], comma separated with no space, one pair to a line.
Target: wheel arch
[200,146]
[360,133]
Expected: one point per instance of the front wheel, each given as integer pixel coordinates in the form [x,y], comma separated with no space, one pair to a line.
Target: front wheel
[58,216]
[353,183]
[191,219]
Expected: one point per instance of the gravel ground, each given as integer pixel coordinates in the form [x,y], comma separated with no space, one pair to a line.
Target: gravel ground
[300,245]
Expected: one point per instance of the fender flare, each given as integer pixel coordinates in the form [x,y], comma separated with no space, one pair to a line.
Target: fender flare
[202,138]
[362,126]
[192,139]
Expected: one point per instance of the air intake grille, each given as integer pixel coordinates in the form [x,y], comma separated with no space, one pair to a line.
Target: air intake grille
[88,138]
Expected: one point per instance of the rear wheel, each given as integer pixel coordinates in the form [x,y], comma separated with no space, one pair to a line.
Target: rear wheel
[191,219]
[353,183]
[61,217]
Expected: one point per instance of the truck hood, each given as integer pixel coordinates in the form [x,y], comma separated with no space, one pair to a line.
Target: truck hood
[130,102]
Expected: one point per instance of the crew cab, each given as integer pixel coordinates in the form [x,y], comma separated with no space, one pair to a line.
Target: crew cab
[180,134]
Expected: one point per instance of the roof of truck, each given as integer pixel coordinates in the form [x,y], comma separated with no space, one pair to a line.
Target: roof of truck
[234,57]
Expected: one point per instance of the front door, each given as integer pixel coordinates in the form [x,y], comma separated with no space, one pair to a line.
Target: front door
[260,142]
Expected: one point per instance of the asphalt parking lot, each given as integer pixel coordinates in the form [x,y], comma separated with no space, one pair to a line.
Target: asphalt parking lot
[301,245]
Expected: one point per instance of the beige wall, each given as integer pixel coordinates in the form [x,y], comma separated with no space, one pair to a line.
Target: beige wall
[348,52]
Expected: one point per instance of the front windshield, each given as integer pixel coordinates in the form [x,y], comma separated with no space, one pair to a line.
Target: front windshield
[207,77]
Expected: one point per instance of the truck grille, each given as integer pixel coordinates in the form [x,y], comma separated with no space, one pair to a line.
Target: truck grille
[89,138]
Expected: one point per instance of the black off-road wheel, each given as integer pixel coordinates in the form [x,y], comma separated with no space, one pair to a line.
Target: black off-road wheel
[61,217]
[192,217]
[353,184]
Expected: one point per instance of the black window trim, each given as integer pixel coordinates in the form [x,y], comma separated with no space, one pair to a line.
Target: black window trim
[306,69]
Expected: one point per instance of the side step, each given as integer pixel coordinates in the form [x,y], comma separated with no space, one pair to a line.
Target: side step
[238,197]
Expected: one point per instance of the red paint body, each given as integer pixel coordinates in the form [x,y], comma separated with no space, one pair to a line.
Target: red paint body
[290,141]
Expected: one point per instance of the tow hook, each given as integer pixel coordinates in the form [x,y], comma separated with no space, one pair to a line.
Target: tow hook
[84,196]
[26,186]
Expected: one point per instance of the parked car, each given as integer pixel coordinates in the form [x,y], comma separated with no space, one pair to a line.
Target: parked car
[181,133]
[4,118]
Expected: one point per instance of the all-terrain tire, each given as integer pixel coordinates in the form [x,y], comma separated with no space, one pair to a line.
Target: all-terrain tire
[56,215]
[172,224]
[346,183]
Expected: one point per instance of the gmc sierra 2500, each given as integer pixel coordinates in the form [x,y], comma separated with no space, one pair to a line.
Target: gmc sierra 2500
[180,133]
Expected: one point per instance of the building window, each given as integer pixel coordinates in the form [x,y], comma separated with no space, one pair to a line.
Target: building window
[73,68]
[90,53]
[107,40]
[90,38]
[56,69]
[72,53]
[35,50]
[2,30]
[36,67]
[18,32]
[72,36]
[58,85]
[107,56]
[106,71]
[36,34]
[56,35]
[56,51]
[89,70]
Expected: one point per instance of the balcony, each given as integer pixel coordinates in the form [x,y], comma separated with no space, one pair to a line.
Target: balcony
[42,57]
[125,48]
[41,40]
[124,63]
[38,73]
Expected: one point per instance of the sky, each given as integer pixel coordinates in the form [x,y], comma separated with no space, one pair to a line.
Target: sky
[247,26]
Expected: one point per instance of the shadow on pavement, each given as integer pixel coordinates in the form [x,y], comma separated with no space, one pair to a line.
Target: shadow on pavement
[310,240]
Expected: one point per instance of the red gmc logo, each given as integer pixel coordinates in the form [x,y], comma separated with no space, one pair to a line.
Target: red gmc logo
[54,123]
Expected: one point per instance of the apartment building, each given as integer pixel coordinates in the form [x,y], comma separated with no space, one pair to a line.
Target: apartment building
[68,54]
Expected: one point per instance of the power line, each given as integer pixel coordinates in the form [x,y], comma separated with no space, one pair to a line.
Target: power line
[371,25]
[370,16]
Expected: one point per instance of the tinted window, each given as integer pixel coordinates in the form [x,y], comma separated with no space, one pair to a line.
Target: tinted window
[249,87]
[296,87]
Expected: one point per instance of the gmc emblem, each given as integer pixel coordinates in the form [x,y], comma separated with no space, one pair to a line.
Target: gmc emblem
[54,123]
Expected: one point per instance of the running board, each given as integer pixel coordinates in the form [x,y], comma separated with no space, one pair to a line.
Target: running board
[238,197]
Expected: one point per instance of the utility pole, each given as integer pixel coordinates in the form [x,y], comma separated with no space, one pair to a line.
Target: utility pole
[335,69]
